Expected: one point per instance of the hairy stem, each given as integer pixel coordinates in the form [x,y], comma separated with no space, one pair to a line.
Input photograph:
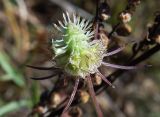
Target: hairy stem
[106,80]
[93,96]
[118,66]
[114,52]
[72,96]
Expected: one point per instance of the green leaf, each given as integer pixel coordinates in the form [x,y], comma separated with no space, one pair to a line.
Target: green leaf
[13,106]
[12,73]
[35,91]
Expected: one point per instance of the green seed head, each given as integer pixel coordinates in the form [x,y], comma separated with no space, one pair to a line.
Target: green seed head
[75,53]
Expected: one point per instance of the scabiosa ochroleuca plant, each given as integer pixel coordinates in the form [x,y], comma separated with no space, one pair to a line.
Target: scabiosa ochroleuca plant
[77,55]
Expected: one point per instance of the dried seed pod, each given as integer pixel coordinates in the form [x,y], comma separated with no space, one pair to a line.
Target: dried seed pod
[104,38]
[75,112]
[124,30]
[154,30]
[157,39]
[97,80]
[105,11]
[134,2]
[40,109]
[84,96]
[125,17]
[55,99]
[157,19]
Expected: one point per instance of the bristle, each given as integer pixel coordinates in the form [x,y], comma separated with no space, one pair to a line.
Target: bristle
[78,20]
[65,35]
[90,36]
[74,18]
[119,66]
[58,40]
[89,26]
[93,96]
[106,80]
[93,42]
[52,40]
[65,20]
[86,24]
[61,24]
[90,33]
[87,33]
[72,96]
[82,23]
[113,52]
[58,28]
[63,48]
[69,20]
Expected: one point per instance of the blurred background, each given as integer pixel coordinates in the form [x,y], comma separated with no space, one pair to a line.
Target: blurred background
[26,28]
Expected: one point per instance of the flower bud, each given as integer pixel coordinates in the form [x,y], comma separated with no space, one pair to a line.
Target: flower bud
[104,39]
[125,17]
[84,96]
[134,2]
[40,109]
[157,39]
[105,12]
[75,112]
[55,99]
[157,19]
[97,80]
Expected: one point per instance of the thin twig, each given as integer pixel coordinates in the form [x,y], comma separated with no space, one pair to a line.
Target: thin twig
[96,21]
[45,77]
[93,96]
[113,30]
[136,61]
[41,68]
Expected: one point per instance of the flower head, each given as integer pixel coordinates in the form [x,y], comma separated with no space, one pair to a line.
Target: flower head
[75,53]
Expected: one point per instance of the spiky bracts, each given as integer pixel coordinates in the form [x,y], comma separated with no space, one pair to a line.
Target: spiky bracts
[75,52]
